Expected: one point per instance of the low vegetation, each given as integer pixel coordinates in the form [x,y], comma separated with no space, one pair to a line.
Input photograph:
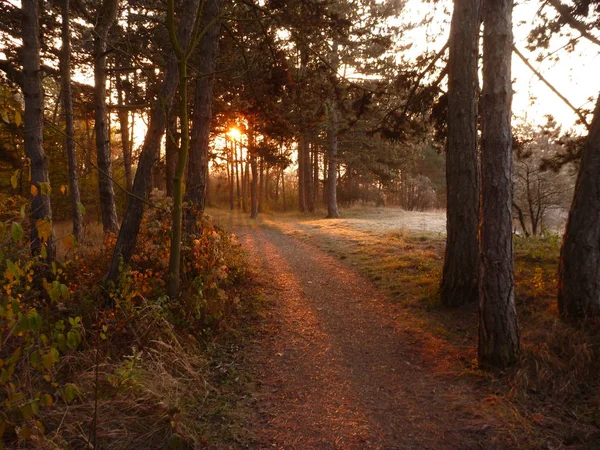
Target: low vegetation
[84,365]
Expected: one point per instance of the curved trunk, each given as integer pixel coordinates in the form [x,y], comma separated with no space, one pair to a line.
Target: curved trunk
[460,275]
[498,329]
[150,149]
[579,269]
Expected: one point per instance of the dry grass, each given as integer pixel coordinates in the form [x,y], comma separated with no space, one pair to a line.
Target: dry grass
[551,400]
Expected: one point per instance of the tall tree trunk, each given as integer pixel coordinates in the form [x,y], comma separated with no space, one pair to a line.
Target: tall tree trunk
[197,174]
[150,149]
[301,177]
[254,168]
[245,185]
[182,52]
[315,152]
[579,268]
[236,160]
[124,125]
[283,191]
[308,178]
[460,275]
[261,184]
[171,146]
[230,176]
[106,17]
[332,152]
[41,209]
[498,329]
[65,75]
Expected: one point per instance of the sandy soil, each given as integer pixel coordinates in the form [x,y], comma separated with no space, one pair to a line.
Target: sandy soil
[336,367]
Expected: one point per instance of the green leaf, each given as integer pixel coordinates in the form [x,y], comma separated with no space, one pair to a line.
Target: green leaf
[27,412]
[14,180]
[34,359]
[15,306]
[23,211]
[44,252]
[45,188]
[73,339]
[81,208]
[35,322]
[13,269]
[71,392]
[64,291]
[16,232]
[46,400]
[4,115]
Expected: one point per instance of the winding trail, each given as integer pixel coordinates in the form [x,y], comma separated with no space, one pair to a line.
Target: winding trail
[335,367]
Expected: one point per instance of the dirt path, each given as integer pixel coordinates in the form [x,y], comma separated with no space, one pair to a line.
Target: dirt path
[336,369]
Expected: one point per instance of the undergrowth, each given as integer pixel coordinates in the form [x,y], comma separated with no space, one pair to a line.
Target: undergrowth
[137,374]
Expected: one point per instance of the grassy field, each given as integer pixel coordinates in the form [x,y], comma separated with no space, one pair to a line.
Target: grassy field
[551,399]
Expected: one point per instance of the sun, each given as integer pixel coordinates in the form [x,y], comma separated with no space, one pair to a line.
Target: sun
[234,133]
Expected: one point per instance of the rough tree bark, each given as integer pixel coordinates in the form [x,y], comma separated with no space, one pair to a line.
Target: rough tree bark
[65,75]
[332,144]
[106,17]
[141,184]
[197,174]
[460,275]
[332,162]
[579,268]
[41,210]
[498,329]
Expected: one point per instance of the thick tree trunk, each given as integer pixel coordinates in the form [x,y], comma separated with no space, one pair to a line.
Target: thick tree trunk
[579,269]
[498,329]
[41,210]
[150,149]
[106,17]
[65,75]
[460,275]
[332,162]
[197,174]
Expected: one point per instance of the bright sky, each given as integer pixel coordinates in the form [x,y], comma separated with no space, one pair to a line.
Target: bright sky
[575,75]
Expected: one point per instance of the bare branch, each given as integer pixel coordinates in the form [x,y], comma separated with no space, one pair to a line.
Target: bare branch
[552,88]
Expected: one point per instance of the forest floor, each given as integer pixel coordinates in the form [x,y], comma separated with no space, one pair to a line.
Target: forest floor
[349,357]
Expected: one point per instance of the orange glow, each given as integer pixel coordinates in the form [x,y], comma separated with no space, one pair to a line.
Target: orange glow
[234,133]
